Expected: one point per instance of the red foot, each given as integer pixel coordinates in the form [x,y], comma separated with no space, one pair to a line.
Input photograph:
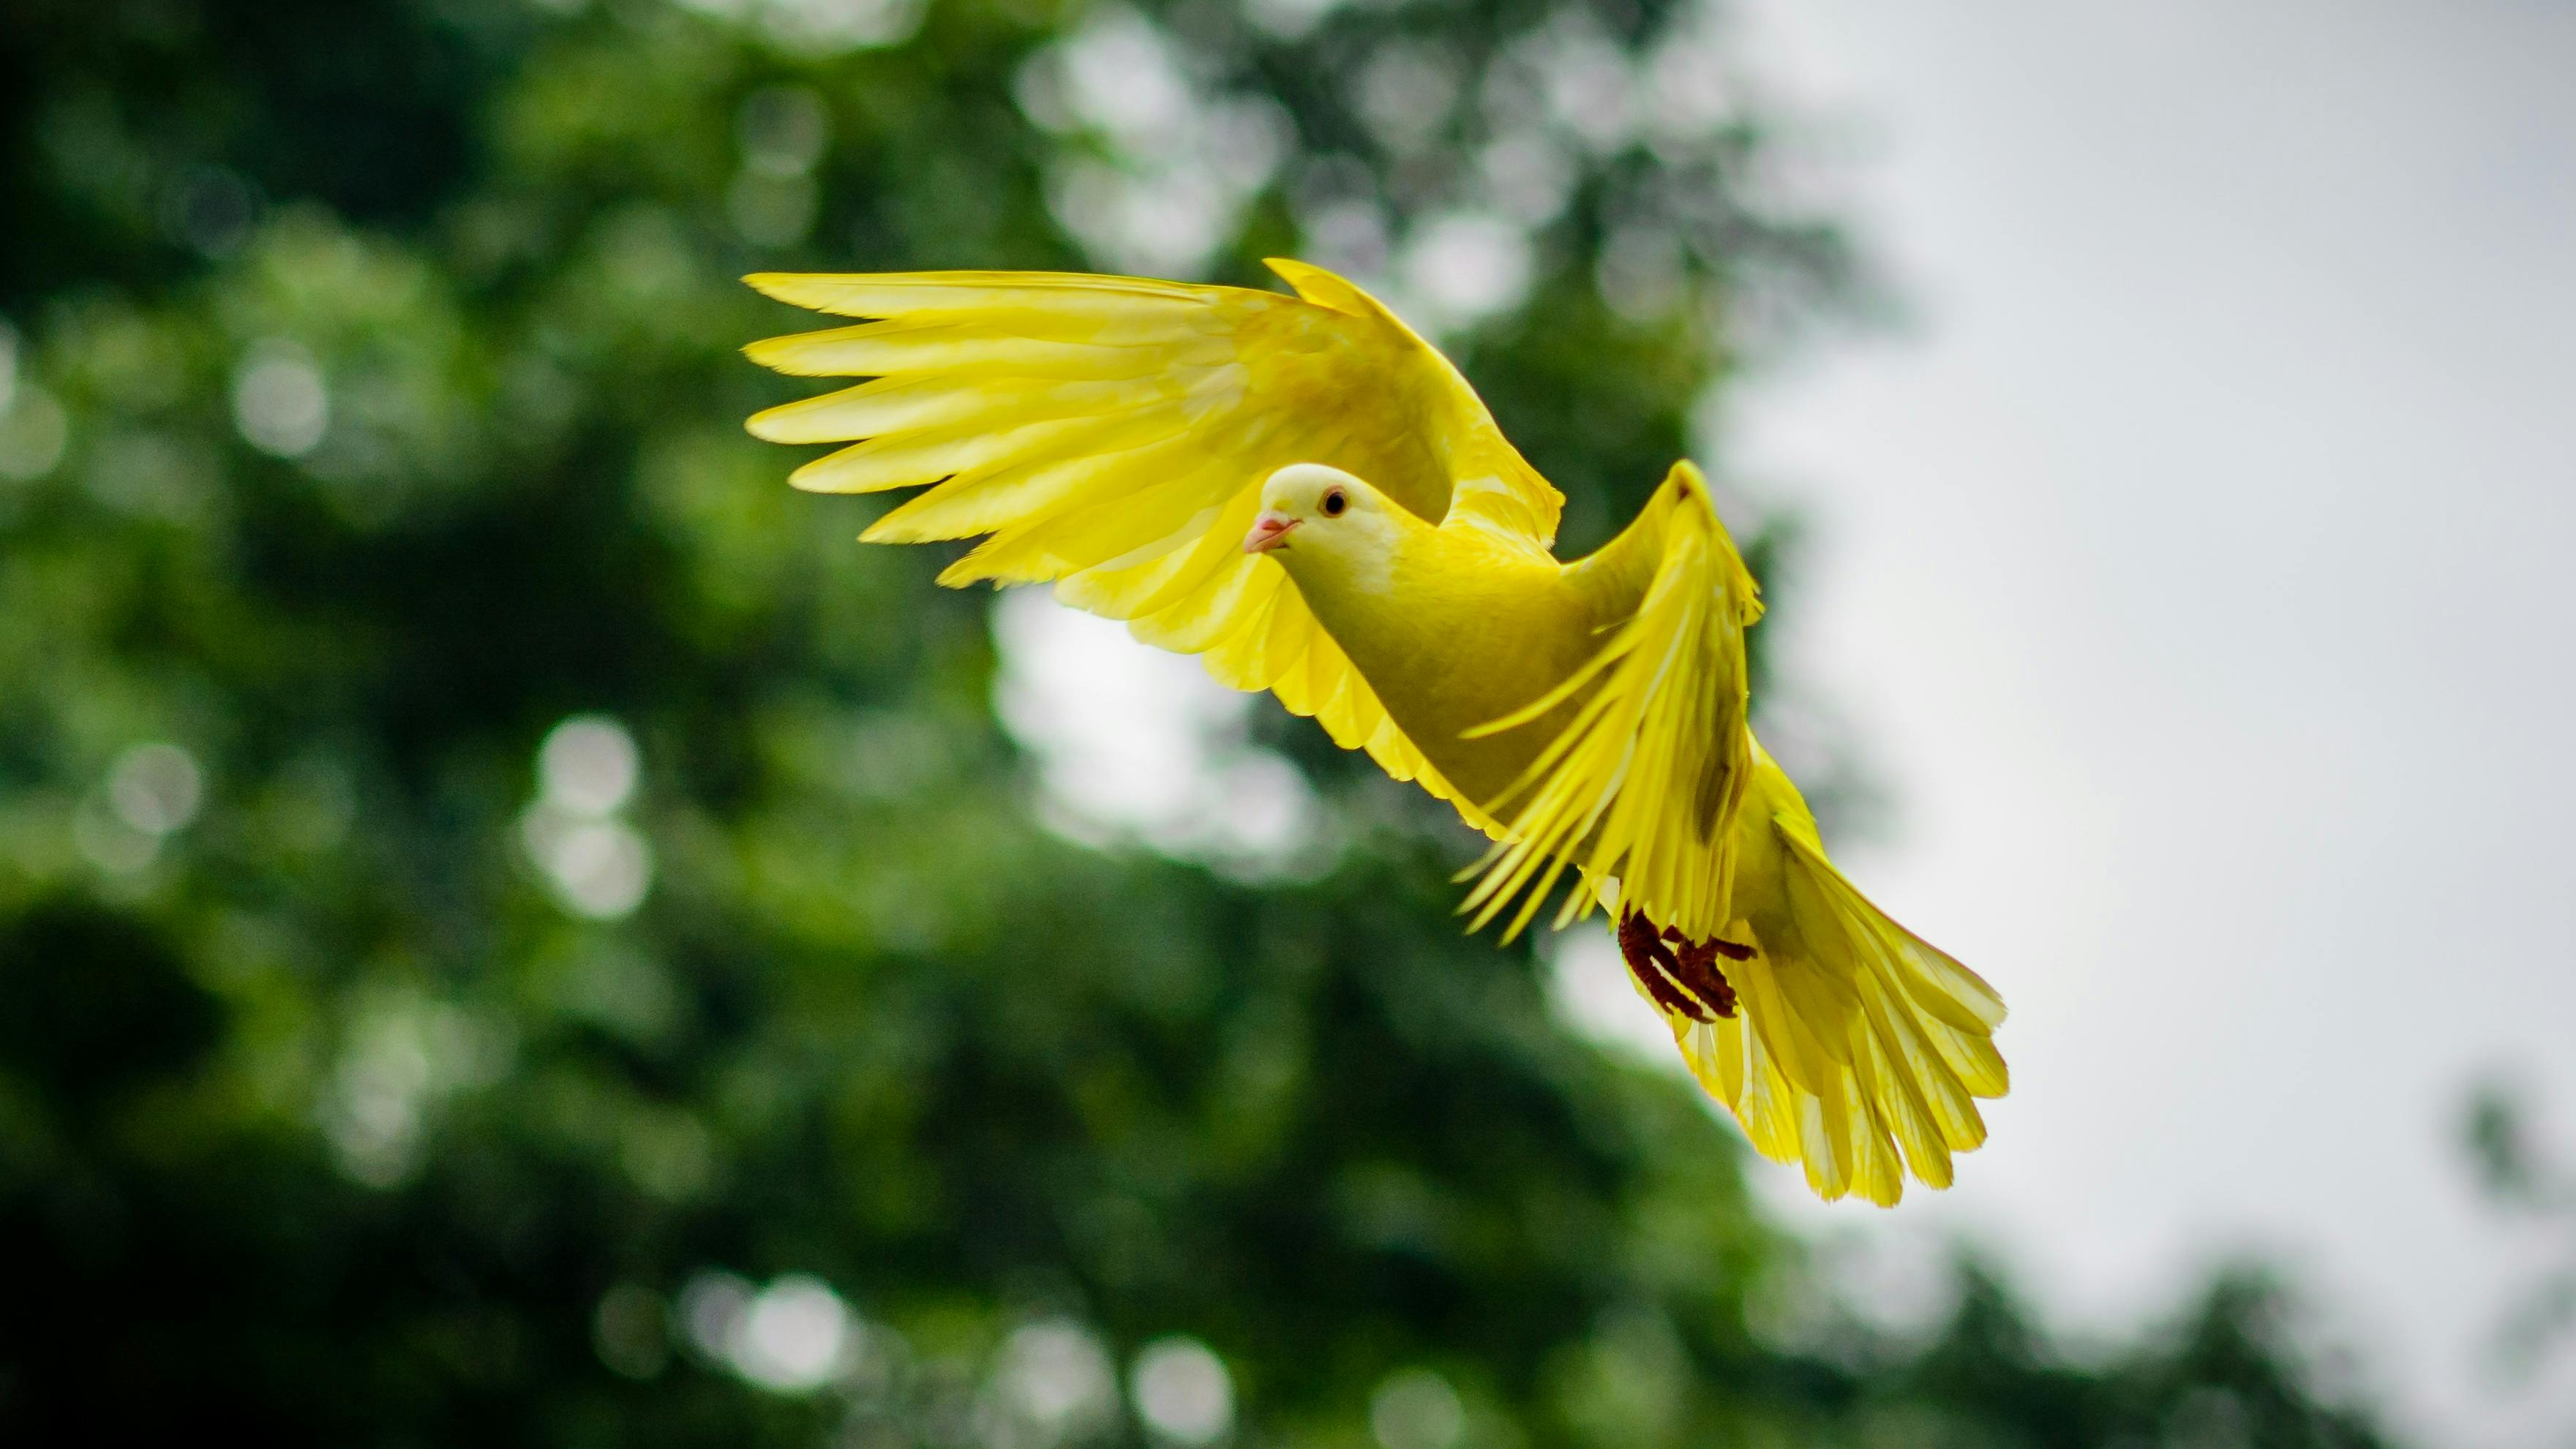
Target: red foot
[1682,976]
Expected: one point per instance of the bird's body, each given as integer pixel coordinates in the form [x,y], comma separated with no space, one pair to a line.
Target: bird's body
[1116,437]
[1457,629]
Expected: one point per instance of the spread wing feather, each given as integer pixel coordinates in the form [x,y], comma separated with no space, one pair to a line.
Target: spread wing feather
[1110,435]
[1642,783]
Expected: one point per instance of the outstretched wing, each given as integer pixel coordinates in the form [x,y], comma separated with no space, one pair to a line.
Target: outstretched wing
[1644,780]
[1110,435]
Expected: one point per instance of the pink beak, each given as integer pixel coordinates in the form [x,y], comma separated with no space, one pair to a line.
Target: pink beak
[1269,531]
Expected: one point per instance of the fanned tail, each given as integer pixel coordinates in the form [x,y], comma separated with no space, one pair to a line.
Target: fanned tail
[1860,1050]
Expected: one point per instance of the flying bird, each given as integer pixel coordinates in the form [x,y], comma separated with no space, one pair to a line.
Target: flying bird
[1307,496]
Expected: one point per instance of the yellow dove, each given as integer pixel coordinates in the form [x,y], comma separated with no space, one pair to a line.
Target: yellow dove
[1308,496]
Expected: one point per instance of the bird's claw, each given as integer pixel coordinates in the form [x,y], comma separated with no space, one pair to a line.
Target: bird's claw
[1719,944]
[1681,975]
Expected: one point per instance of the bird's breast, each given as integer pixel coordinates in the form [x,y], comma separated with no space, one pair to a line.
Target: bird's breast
[1449,649]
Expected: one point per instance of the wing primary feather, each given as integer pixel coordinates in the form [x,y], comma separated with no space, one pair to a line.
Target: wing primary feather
[1106,434]
[1650,755]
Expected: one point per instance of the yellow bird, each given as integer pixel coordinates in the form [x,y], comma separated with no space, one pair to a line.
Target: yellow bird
[1306,495]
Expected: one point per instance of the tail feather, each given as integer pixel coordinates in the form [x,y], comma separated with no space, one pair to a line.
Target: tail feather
[1861,1050]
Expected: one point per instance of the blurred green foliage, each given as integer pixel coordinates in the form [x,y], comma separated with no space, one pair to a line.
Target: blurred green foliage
[513,929]
[2523,1181]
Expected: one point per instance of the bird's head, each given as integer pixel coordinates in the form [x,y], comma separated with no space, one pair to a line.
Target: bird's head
[1311,509]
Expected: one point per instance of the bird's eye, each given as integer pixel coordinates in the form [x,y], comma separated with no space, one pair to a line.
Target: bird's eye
[1335,500]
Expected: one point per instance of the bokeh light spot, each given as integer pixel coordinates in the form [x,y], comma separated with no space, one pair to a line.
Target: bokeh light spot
[1183,1391]
[588,765]
[602,868]
[1416,1409]
[1136,742]
[783,129]
[155,788]
[1466,266]
[34,432]
[770,210]
[792,1335]
[1055,1377]
[712,1306]
[280,402]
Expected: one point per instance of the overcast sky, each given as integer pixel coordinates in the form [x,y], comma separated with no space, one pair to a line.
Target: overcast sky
[2195,574]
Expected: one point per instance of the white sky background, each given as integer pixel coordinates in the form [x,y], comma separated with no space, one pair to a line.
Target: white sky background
[2196,575]
[2193,575]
